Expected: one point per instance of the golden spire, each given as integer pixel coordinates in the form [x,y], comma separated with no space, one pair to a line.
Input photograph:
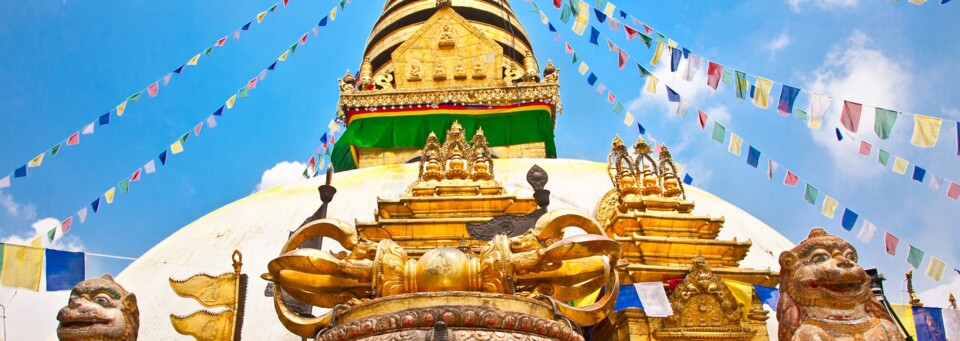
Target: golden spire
[914,300]
[953,302]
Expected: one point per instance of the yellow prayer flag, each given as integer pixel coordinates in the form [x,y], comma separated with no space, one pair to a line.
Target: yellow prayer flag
[230,101]
[261,16]
[109,194]
[658,53]
[905,312]
[900,165]
[651,85]
[671,43]
[333,14]
[935,269]
[36,161]
[587,300]
[815,122]
[926,130]
[543,18]
[734,146]
[176,147]
[608,9]
[583,18]
[583,68]
[121,108]
[193,61]
[742,292]
[829,207]
[283,56]
[21,266]
[761,93]
[37,242]
[628,120]
[917,2]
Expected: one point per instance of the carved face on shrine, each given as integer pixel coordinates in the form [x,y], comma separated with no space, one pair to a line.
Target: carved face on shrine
[99,309]
[824,271]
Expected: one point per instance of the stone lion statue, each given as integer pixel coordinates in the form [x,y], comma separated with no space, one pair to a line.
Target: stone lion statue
[825,294]
[99,309]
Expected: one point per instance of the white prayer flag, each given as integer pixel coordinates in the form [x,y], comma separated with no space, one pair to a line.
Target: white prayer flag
[682,107]
[5,182]
[150,167]
[693,65]
[334,127]
[818,107]
[211,122]
[951,322]
[654,299]
[771,168]
[866,231]
[88,129]
[82,213]
[935,183]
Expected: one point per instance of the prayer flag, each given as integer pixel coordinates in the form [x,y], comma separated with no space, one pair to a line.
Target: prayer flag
[163,158]
[918,173]
[64,269]
[753,157]
[20,172]
[802,114]
[818,108]
[193,61]
[657,53]
[953,191]
[788,95]
[864,148]
[583,68]
[622,58]
[246,27]
[630,32]
[567,48]
[883,157]
[771,168]
[121,108]
[618,108]
[926,130]
[601,88]
[693,65]
[839,134]
[95,205]
[152,89]
[36,161]
[928,321]
[65,224]
[109,194]
[303,38]
[179,69]
[242,93]
[905,312]
[150,167]
[683,107]
[594,35]
[221,41]
[742,292]
[136,175]
[592,79]
[935,182]
[810,194]
[575,58]
[714,73]
[88,129]
[5,182]
[556,3]
[651,85]
[727,77]
[611,97]
[54,150]
[37,242]
[672,96]
[900,165]
[675,56]
[565,13]
[176,147]
[761,98]
[628,298]
[719,132]
[935,269]
[687,179]
[322,22]
[196,129]
[890,242]
[734,146]
[82,214]
[583,18]
[628,120]
[848,219]
[951,321]
[702,116]
[219,111]
[654,299]
[166,80]
[850,117]
[915,257]
[261,15]
[124,186]
[183,138]
[283,56]
[135,97]
[22,266]
[883,123]
[608,9]
[867,230]
[741,84]
[230,101]
[769,296]
[104,119]
[829,206]
[252,83]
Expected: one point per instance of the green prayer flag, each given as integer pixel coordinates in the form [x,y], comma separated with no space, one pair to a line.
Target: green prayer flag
[810,194]
[661,38]
[576,58]
[719,132]
[883,157]
[600,3]
[208,51]
[293,48]
[343,3]
[915,257]
[643,71]
[533,7]
[272,8]
[327,152]
[802,114]
[574,6]
[727,77]
[565,14]
[183,139]
[135,97]
[742,84]
[124,186]
[647,40]
[242,93]
[55,150]
[305,176]
[618,108]
[52,233]
[884,123]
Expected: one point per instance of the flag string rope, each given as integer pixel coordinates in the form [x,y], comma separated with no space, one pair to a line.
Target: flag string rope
[758,154]
[152,90]
[177,146]
[855,109]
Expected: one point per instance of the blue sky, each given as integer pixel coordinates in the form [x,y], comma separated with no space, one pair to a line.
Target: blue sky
[65,63]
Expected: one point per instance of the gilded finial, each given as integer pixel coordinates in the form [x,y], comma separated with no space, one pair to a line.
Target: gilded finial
[444,3]
[348,77]
[914,300]
[953,302]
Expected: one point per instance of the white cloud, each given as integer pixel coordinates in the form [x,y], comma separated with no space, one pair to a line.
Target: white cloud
[15,209]
[823,4]
[778,43]
[281,174]
[938,296]
[854,71]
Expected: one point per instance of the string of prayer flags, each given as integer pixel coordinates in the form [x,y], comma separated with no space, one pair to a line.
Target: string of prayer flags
[935,269]
[926,131]
[890,243]
[22,266]
[64,269]
[653,298]
[867,230]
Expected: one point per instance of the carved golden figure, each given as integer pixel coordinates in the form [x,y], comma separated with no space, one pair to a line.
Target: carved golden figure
[825,294]
[439,71]
[99,309]
[413,73]
[447,40]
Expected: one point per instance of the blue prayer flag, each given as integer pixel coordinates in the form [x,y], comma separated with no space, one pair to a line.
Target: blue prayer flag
[918,173]
[272,66]
[958,138]
[219,112]
[687,179]
[247,26]
[628,298]
[323,138]
[20,172]
[624,14]
[594,34]
[768,295]
[675,56]
[839,135]
[105,119]
[849,219]
[944,1]
[601,17]
[752,90]
[928,322]
[64,269]
[179,69]
[163,158]
[788,95]
[753,157]
[592,79]
[95,205]
[642,130]
[551,28]
[323,22]
[686,53]
[672,96]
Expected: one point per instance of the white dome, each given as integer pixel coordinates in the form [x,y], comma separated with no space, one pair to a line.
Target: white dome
[258,226]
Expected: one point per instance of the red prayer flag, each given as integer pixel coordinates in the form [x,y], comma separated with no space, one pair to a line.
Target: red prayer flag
[65,225]
[631,32]
[850,118]
[285,2]
[196,130]
[791,179]
[221,41]
[152,89]
[303,39]
[556,3]
[252,83]
[567,47]
[136,175]
[611,98]
[714,73]
[865,148]
[333,139]
[890,242]
[953,191]
[622,58]
[647,28]
[703,119]
[73,139]
[313,161]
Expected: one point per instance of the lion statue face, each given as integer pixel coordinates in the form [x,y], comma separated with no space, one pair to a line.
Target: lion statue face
[99,309]
[824,272]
